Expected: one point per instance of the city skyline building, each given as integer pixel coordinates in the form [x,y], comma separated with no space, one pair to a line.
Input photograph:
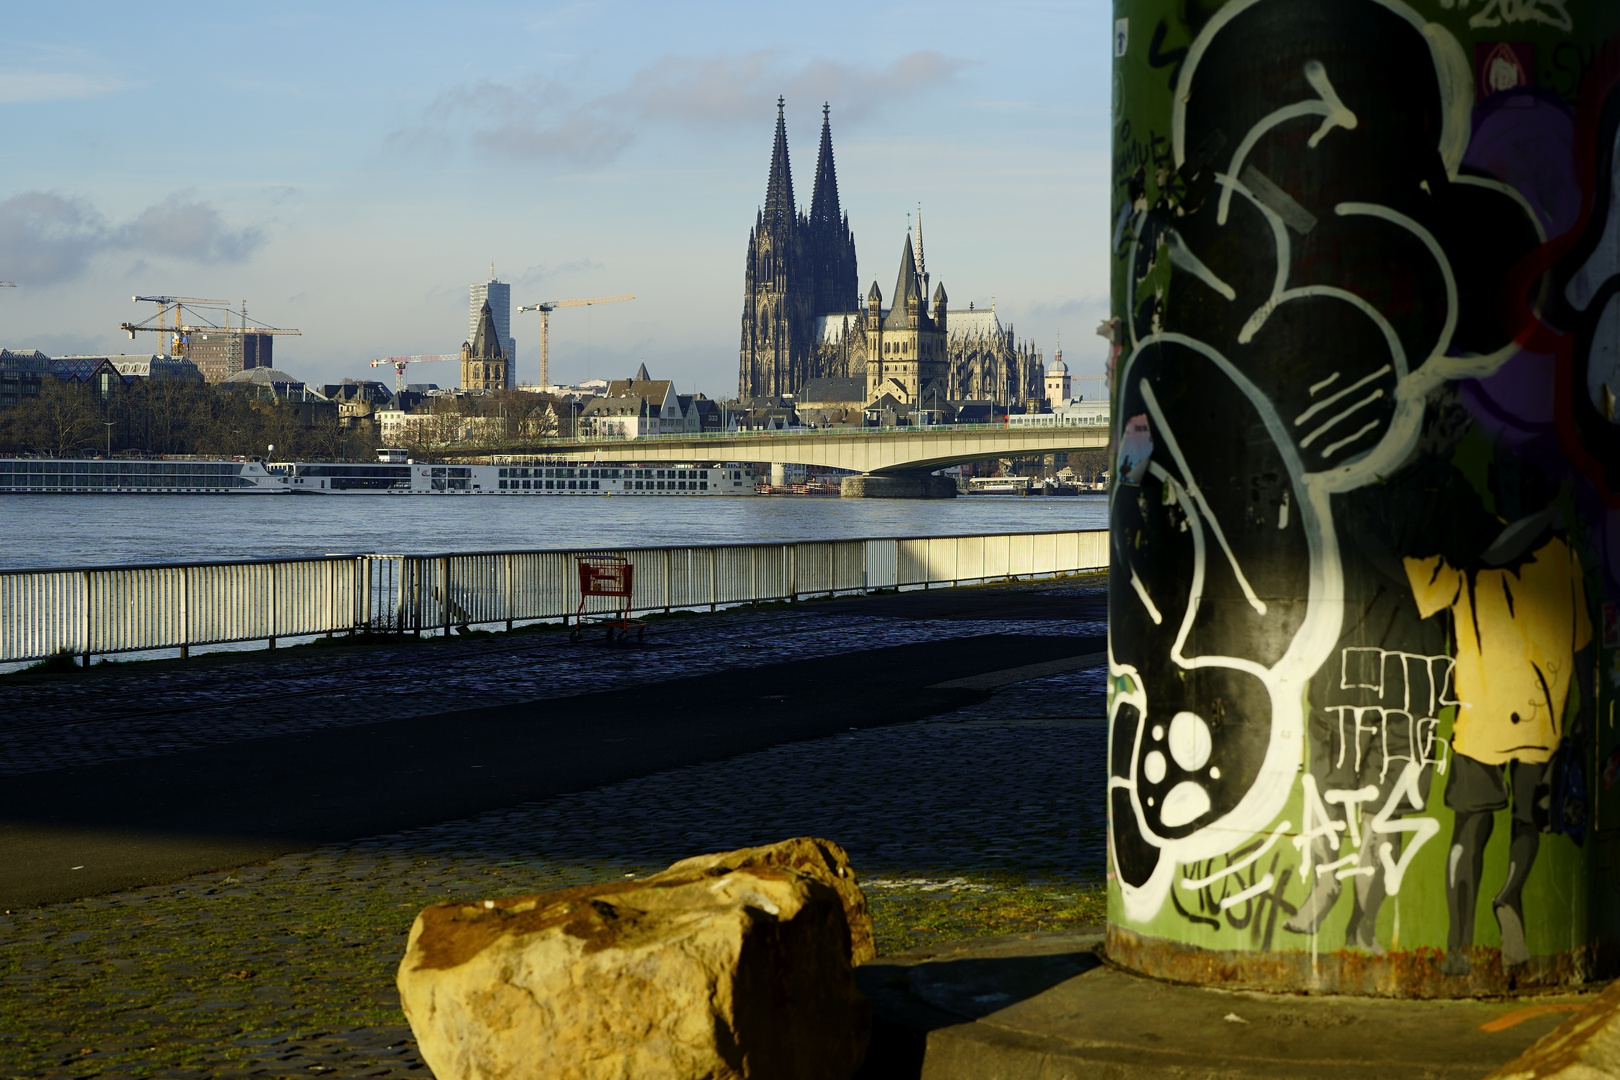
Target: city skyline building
[805,318]
[219,354]
[498,294]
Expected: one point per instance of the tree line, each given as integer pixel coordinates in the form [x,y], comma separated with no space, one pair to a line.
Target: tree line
[166,416]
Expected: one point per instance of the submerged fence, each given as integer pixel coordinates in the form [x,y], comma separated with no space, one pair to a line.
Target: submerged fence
[88,612]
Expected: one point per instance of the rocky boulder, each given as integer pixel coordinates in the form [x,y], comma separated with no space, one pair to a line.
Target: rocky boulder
[722,967]
[823,860]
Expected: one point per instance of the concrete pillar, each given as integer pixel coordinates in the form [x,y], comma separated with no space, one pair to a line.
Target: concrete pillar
[1366,544]
[899,486]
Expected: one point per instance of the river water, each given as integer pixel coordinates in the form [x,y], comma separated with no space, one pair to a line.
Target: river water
[102,530]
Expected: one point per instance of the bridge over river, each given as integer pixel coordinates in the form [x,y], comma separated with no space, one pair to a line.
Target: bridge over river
[890,462]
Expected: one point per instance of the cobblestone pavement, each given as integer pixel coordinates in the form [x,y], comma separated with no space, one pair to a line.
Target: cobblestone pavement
[985,820]
[153,709]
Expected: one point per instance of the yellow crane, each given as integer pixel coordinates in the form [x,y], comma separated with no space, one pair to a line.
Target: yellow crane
[402,362]
[180,330]
[545,308]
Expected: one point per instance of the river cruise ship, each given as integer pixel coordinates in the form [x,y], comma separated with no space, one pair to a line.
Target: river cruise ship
[535,476]
[136,476]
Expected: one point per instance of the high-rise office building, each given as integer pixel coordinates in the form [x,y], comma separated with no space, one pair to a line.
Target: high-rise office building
[499,295]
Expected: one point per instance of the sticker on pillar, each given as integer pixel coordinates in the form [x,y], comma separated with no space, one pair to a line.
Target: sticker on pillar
[1500,66]
[1122,33]
[1135,449]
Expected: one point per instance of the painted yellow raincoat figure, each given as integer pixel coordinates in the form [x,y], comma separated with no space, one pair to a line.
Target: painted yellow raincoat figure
[1518,629]
[1517,635]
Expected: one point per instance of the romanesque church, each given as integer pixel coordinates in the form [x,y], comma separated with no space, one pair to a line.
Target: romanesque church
[804,317]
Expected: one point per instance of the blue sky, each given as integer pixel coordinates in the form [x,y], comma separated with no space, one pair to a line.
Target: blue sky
[349,169]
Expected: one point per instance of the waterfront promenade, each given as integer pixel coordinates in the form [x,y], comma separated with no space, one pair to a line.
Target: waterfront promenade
[359,783]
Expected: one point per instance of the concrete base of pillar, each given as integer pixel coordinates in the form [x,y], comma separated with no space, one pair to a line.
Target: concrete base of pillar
[909,486]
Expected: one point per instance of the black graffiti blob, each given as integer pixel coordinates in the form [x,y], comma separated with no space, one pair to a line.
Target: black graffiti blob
[1159,529]
[1342,206]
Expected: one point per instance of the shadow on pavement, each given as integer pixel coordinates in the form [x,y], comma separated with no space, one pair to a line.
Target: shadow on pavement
[924,990]
[85,830]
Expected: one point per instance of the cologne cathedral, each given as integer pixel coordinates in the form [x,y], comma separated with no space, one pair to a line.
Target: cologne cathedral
[804,317]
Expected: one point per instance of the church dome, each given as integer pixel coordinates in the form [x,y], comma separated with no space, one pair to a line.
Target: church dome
[262,376]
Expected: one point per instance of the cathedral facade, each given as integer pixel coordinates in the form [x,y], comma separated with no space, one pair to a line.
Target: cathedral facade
[803,317]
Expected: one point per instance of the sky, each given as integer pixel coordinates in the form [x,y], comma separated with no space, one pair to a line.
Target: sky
[350,169]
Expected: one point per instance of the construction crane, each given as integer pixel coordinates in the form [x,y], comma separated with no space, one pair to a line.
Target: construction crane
[402,362]
[545,308]
[171,305]
[203,311]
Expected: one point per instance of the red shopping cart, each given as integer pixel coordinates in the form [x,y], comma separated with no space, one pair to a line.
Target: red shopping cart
[606,575]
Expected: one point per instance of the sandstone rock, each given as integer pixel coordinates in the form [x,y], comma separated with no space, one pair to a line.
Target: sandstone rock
[699,971]
[1584,1047]
[822,859]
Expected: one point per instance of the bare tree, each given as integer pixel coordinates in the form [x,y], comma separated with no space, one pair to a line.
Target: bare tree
[63,417]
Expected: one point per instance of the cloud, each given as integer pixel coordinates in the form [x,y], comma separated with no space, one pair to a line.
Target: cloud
[537,120]
[17,87]
[1079,308]
[539,272]
[46,238]
[187,230]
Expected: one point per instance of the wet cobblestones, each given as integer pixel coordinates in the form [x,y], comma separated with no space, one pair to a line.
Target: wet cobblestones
[61,723]
[975,819]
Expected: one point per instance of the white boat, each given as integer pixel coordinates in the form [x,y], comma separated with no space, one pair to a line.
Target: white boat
[136,476]
[1001,485]
[396,475]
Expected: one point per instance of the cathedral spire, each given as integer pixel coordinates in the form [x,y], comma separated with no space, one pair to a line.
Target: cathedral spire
[824,206]
[486,343]
[779,189]
[922,262]
[907,290]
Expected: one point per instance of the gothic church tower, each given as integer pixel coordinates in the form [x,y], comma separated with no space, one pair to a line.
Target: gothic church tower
[829,245]
[483,360]
[798,267]
[906,347]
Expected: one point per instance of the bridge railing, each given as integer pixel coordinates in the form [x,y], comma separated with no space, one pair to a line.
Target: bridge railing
[837,431]
[101,610]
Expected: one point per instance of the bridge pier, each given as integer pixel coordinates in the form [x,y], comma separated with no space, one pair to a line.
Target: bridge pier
[1281,598]
[902,486]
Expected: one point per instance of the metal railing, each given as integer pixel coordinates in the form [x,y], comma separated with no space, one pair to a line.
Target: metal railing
[836,431]
[99,610]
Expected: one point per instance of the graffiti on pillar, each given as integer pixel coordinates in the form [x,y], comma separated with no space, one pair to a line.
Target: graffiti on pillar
[1337,588]
[1586,302]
